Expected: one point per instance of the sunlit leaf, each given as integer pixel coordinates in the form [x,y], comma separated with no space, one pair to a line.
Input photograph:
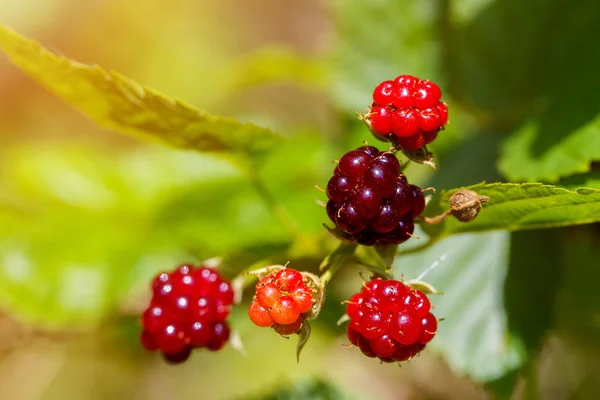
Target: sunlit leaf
[121,104]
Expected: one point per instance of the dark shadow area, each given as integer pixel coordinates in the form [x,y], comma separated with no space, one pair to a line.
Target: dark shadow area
[517,60]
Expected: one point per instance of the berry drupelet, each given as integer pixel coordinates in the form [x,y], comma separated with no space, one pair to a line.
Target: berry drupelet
[370,201]
[188,310]
[407,111]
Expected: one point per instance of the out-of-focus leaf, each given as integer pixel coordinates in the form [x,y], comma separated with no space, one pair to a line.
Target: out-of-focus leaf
[84,231]
[558,143]
[519,206]
[313,389]
[589,180]
[471,269]
[505,61]
[578,305]
[276,65]
[379,40]
[121,104]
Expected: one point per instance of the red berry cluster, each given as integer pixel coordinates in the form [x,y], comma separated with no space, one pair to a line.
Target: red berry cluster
[188,310]
[390,320]
[408,111]
[370,201]
[280,301]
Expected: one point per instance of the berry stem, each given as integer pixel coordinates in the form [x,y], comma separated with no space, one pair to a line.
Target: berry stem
[335,260]
[438,218]
[274,206]
[417,249]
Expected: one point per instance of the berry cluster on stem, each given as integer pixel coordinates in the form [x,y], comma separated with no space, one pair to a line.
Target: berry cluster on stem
[188,310]
[407,111]
[390,320]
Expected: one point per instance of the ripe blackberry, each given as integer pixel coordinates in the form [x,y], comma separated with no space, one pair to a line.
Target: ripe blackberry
[407,112]
[281,300]
[370,201]
[188,310]
[390,320]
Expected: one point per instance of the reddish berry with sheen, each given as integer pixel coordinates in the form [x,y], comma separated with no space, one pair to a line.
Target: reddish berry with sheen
[187,311]
[407,111]
[370,201]
[280,301]
[390,320]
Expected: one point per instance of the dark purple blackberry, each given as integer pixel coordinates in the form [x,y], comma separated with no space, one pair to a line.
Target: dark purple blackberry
[370,201]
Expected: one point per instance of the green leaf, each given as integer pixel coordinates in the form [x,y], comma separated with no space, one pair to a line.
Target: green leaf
[551,146]
[378,40]
[521,67]
[121,104]
[470,269]
[589,180]
[517,207]
[84,228]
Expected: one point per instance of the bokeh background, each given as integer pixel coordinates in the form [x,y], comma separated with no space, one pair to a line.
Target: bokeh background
[88,216]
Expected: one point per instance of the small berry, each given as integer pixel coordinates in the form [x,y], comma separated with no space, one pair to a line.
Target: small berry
[287,279]
[285,310]
[290,329]
[381,120]
[417,200]
[220,336]
[200,333]
[383,93]
[154,318]
[349,219]
[367,201]
[427,94]
[338,188]
[373,325]
[170,339]
[147,339]
[365,347]
[429,324]
[303,296]
[384,346]
[408,81]
[178,358]
[389,160]
[354,164]
[405,327]
[371,151]
[268,294]
[381,178]
[260,315]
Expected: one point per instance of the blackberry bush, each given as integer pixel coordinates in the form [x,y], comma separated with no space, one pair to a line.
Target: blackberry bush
[370,201]
[188,310]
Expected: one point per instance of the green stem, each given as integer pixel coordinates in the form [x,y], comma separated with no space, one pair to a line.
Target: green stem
[335,260]
[276,209]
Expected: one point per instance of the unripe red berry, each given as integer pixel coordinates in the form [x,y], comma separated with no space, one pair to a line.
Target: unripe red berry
[260,315]
[287,279]
[382,94]
[285,310]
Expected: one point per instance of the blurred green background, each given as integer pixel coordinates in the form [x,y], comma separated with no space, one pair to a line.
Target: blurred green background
[88,216]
